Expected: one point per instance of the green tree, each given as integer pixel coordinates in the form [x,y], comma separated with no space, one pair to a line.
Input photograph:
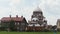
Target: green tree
[12,25]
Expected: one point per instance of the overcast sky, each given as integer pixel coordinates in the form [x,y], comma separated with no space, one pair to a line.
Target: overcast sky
[50,8]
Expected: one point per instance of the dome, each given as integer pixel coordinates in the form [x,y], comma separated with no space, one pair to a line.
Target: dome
[38,9]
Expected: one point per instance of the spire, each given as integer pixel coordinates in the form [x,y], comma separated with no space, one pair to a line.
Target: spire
[10,16]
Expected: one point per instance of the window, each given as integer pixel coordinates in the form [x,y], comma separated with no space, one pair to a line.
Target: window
[39,14]
[15,23]
[17,27]
[22,23]
[18,23]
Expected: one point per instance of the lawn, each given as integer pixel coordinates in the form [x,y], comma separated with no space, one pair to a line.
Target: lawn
[28,33]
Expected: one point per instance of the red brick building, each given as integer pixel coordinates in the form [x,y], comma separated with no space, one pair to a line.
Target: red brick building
[20,23]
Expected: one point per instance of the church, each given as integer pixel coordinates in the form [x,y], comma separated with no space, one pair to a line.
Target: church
[37,22]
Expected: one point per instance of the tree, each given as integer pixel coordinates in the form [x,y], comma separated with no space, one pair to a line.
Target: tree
[12,25]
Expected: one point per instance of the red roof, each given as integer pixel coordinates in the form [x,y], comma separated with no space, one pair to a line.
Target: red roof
[12,18]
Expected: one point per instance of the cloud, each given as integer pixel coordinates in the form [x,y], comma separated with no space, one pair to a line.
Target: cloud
[15,1]
[13,6]
[51,9]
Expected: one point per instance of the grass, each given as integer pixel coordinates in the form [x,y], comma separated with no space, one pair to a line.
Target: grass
[28,33]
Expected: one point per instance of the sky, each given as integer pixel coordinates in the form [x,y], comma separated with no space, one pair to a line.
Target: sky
[50,9]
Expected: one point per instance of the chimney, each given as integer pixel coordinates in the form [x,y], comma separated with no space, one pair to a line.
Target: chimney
[10,16]
[21,16]
[16,16]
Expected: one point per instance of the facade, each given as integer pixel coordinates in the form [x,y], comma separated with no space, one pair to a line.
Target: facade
[37,20]
[18,23]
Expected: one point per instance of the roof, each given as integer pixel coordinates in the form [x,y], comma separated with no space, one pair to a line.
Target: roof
[12,18]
